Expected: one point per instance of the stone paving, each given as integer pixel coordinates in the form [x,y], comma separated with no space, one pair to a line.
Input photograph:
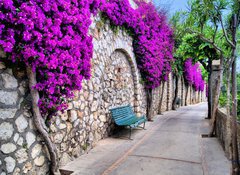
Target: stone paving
[171,145]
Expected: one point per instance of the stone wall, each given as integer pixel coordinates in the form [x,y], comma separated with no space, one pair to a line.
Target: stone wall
[156,101]
[183,91]
[223,131]
[21,149]
[115,81]
[164,92]
[167,91]
[170,92]
[193,96]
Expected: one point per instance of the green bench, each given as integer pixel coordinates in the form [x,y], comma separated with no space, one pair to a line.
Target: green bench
[124,116]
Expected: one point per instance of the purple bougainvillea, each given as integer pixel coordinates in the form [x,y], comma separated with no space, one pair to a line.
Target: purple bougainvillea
[51,36]
[193,75]
[153,42]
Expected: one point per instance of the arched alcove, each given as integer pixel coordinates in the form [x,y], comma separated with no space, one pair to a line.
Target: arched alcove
[118,84]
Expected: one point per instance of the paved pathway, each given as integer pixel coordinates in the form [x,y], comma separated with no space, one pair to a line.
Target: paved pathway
[171,145]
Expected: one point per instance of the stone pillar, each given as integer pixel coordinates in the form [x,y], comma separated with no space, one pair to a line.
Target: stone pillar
[169,92]
[191,95]
[179,87]
[214,78]
[183,92]
[188,88]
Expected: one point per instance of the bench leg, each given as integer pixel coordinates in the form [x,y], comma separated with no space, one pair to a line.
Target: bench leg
[118,134]
[142,127]
[130,133]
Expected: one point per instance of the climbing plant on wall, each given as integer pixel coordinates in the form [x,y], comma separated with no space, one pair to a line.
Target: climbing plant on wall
[193,75]
[51,38]
[153,42]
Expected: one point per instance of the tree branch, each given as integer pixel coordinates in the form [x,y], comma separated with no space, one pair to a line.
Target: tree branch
[205,39]
[215,33]
[229,63]
[203,64]
[225,33]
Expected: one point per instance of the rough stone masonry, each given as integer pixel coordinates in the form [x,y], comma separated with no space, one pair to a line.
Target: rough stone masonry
[115,80]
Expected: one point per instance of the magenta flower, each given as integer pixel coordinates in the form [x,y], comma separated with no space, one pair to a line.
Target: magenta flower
[193,75]
[52,37]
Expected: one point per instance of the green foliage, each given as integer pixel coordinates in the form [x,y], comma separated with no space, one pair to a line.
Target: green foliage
[25,145]
[204,73]
[204,20]
[238,107]
[177,66]
[199,34]
[223,96]
[85,146]
[238,82]
[238,96]
[223,100]
[193,47]
[179,30]
[204,13]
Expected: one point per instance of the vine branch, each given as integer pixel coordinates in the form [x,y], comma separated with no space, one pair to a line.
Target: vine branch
[39,123]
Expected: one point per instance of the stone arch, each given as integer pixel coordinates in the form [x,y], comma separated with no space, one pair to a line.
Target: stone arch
[135,74]
[126,58]
[120,85]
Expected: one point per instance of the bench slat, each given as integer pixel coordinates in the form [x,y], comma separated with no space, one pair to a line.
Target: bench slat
[125,116]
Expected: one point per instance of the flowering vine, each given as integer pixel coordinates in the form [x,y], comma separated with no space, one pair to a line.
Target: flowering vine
[51,36]
[193,75]
[153,42]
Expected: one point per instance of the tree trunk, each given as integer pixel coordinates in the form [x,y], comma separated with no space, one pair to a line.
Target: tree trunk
[182,96]
[235,168]
[199,96]
[229,121]
[186,95]
[228,76]
[234,121]
[176,94]
[149,104]
[39,123]
[216,97]
[161,99]
[191,94]
[209,89]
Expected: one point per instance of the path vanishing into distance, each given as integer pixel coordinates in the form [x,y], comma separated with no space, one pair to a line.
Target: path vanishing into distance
[171,145]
